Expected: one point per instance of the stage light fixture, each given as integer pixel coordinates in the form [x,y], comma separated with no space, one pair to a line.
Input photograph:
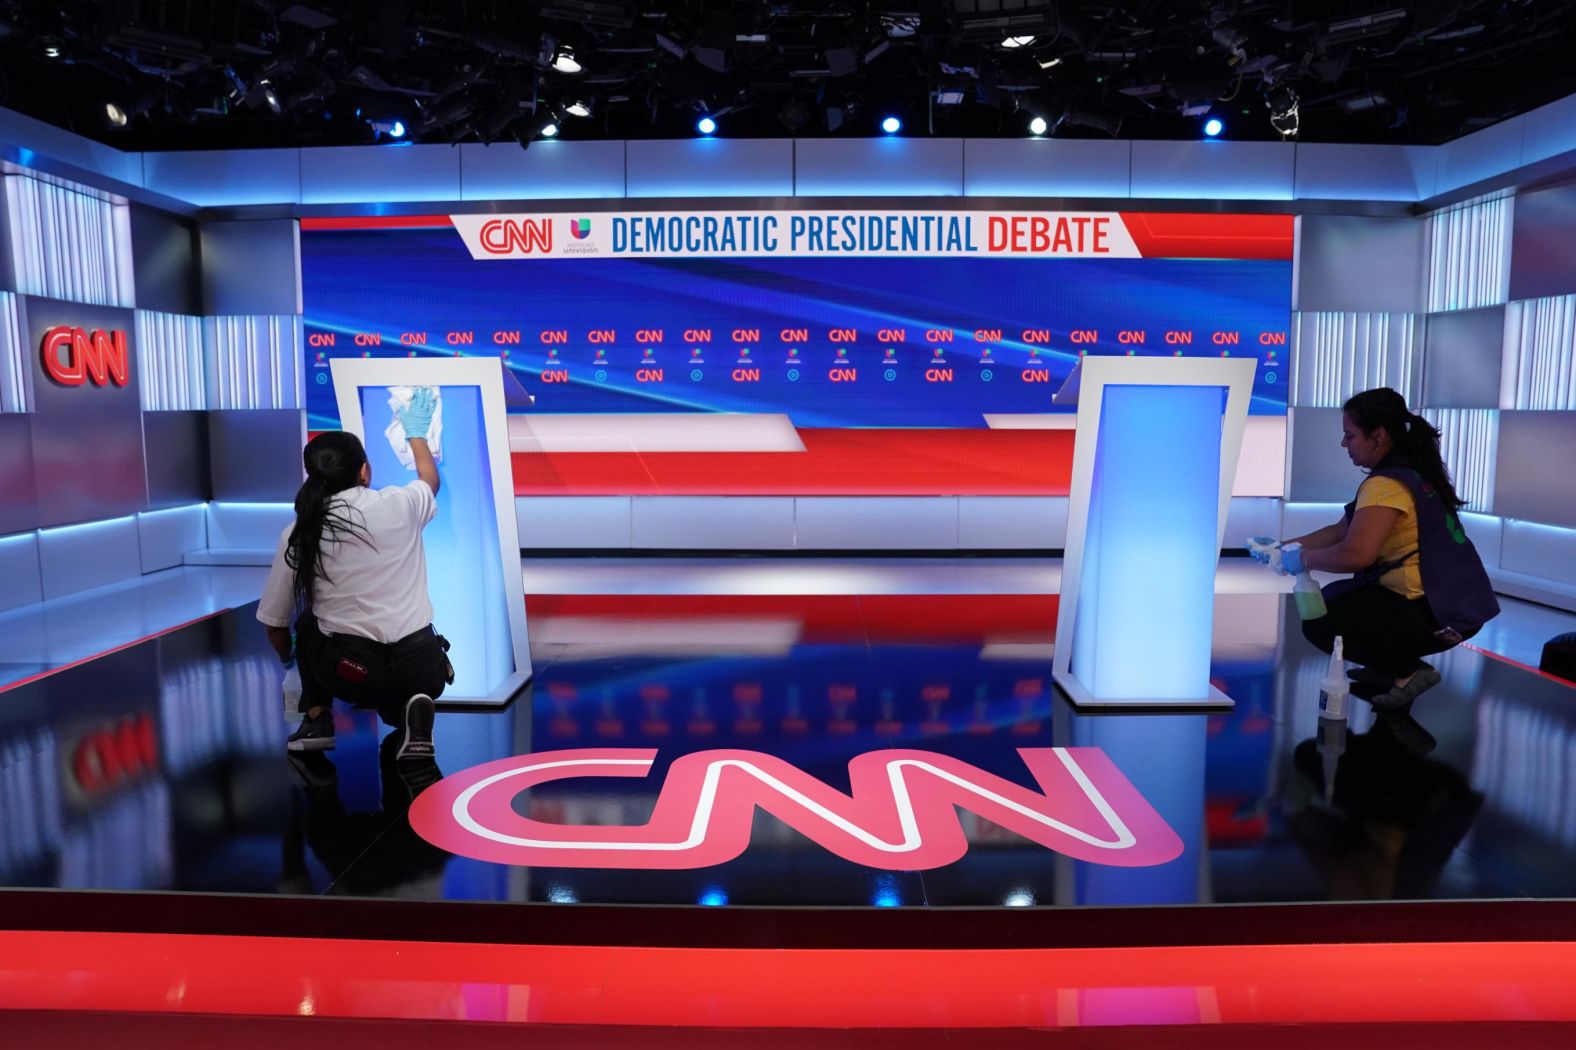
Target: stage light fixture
[397,130]
[1038,126]
[49,47]
[1014,42]
[565,61]
[270,96]
[1284,117]
[706,126]
[114,116]
[1213,127]
[578,109]
[891,125]
[550,130]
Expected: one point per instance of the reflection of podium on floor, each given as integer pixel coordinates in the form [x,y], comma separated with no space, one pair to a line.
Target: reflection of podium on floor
[473,546]
[1155,457]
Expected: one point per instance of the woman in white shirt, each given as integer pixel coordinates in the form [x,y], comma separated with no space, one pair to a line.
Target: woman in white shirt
[354,567]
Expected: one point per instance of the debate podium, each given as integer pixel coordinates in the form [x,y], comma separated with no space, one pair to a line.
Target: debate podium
[1155,455]
[472,544]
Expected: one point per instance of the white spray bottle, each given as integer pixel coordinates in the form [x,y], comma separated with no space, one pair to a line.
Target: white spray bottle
[1333,695]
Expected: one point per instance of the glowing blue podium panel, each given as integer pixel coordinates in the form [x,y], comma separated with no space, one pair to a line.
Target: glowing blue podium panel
[1156,451]
[472,545]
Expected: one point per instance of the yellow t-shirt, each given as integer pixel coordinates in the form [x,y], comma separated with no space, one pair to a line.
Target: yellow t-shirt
[1407,581]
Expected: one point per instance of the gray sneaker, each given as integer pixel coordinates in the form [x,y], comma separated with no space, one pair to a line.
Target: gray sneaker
[1400,697]
[419,716]
[314,734]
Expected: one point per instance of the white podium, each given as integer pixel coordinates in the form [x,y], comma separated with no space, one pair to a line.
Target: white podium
[1156,453]
[472,545]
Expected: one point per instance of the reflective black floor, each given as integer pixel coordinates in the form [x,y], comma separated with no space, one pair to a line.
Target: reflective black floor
[162,766]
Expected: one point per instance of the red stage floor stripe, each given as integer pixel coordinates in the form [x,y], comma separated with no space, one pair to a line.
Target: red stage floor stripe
[1502,658]
[828,617]
[801,989]
[835,462]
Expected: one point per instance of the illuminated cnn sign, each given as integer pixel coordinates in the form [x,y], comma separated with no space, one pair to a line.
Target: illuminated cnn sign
[901,815]
[517,236]
[73,356]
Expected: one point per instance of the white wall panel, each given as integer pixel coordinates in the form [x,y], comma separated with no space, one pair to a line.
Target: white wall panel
[401,172]
[253,362]
[1047,168]
[247,526]
[574,522]
[1214,170]
[1469,442]
[549,169]
[1012,522]
[16,393]
[1469,255]
[1486,533]
[1540,550]
[876,522]
[1480,155]
[1299,519]
[164,536]
[226,177]
[1539,360]
[890,166]
[1343,171]
[69,242]
[1338,354]
[708,523]
[170,356]
[1251,517]
[79,557]
[710,167]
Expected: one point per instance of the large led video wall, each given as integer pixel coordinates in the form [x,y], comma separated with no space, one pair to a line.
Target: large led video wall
[886,339]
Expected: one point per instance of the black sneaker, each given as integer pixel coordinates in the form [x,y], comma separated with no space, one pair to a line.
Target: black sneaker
[419,715]
[314,734]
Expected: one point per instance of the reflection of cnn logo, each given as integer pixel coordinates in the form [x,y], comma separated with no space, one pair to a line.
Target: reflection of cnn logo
[900,815]
[517,236]
[73,356]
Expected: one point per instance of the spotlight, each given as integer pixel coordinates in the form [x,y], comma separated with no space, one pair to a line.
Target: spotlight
[394,129]
[578,109]
[1013,42]
[1038,126]
[1213,127]
[49,46]
[270,96]
[397,130]
[1284,118]
[891,125]
[565,61]
[550,130]
[114,116]
[706,126]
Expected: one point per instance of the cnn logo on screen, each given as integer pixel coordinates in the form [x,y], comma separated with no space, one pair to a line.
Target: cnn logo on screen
[73,356]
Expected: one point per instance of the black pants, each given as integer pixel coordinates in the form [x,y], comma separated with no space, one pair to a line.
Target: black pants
[1378,628]
[395,671]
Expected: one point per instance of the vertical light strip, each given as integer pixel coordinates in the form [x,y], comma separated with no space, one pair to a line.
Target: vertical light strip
[1469,255]
[69,242]
[253,362]
[1469,443]
[15,393]
[1540,355]
[1338,354]
[170,347]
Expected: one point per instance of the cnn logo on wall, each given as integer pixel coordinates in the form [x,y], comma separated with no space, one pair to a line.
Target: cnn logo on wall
[74,356]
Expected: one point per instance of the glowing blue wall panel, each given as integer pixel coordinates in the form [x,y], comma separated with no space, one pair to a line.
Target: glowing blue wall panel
[1047,168]
[1343,172]
[19,569]
[220,177]
[1549,130]
[1540,550]
[1145,606]
[563,170]
[701,167]
[893,166]
[356,174]
[463,572]
[61,145]
[78,557]
[1254,171]
[883,522]
[1480,155]
[247,526]
[703,523]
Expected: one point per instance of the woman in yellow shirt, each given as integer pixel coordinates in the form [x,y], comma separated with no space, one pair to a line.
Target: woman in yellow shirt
[1419,586]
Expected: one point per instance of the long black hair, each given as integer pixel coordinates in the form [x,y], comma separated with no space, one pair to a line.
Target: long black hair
[333,464]
[1414,440]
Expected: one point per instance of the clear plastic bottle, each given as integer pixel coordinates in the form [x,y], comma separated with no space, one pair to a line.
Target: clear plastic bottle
[1333,689]
[1309,597]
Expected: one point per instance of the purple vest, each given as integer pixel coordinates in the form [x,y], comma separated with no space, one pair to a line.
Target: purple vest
[1455,584]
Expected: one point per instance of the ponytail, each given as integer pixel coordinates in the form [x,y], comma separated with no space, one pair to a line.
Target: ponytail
[1413,439]
[333,464]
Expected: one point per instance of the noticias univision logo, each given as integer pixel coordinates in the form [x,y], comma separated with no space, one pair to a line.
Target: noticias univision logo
[580,229]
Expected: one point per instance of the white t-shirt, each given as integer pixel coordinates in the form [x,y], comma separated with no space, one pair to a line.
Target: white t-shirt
[375,590]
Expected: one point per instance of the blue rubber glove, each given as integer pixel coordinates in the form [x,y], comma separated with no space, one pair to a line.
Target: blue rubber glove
[1288,560]
[1260,547]
[416,417]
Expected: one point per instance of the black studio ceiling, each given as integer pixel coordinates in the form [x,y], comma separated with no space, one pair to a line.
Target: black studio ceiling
[206,75]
